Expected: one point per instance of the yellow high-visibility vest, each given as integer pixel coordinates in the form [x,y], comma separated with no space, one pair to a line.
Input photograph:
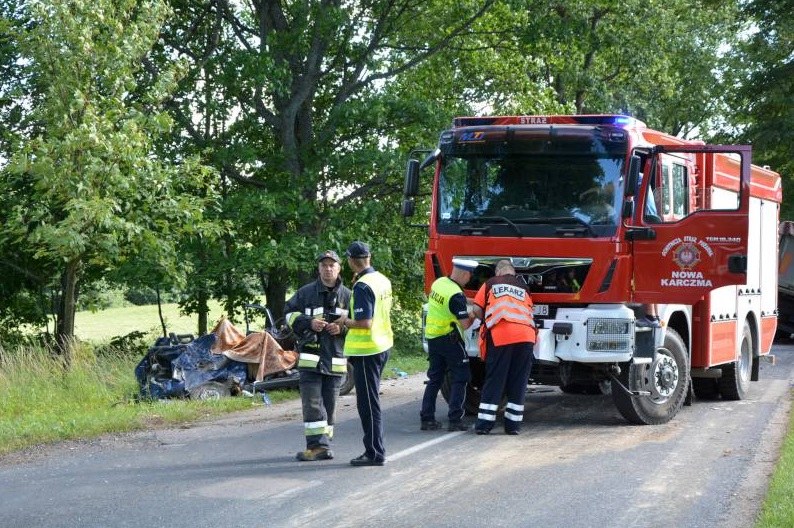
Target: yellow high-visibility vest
[379,338]
[440,320]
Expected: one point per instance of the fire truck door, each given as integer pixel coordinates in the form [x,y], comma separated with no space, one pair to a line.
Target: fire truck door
[697,239]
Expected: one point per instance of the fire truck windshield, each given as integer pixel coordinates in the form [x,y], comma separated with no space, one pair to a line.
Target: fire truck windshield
[546,189]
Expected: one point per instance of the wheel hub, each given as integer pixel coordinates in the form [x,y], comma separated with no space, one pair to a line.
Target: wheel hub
[665,376]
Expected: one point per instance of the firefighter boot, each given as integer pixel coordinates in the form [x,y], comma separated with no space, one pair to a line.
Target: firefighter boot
[314,454]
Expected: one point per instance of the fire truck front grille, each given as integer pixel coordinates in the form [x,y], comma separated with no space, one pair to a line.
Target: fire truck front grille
[609,335]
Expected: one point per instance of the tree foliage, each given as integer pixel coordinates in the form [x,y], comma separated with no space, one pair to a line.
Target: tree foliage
[306,111]
[88,193]
[763,76]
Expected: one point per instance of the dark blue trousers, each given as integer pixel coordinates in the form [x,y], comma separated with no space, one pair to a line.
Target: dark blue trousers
[506,371]
[366,375]
[446,353]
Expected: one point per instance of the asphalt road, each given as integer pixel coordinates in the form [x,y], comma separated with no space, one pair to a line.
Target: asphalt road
[577,464]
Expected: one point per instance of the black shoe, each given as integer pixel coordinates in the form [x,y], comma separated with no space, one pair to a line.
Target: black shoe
[457,426]
[430,425]
[314,454]
[512,432]
[364,460]
[482,431]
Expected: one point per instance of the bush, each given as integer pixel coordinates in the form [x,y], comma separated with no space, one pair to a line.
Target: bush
[134,344]
[407,326]
[99,295]
[143,296]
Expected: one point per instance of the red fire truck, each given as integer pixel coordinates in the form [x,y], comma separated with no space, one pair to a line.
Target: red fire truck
[605,218]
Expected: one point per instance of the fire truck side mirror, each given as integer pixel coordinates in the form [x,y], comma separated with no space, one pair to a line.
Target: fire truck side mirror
[633,175]
[411,179]
[408,207]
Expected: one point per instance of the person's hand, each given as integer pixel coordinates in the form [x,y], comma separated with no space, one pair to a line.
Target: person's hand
[333,328]
[318,325]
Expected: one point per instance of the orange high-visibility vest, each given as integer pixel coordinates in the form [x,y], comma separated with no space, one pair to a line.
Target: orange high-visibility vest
[507,305]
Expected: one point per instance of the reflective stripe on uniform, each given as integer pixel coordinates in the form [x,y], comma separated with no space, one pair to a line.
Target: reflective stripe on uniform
[290,317]
[308,360]
[513,417]
[315,428]
[339,365]
[487,417]
[488,406]
[515,407]
[508,311]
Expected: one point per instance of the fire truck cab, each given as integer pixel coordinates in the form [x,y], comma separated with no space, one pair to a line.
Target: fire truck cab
[604,218]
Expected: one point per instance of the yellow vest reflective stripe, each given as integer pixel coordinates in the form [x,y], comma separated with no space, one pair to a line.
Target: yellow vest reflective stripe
[379,338]
[440,321]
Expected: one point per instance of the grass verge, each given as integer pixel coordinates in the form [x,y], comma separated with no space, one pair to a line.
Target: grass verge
[44,400]
[778,508]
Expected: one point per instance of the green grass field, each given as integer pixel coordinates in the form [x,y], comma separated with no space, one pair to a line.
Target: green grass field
[103,325]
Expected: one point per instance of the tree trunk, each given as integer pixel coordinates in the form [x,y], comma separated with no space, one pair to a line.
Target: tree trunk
[64,333]
[203,310]
[276,292]
[160,311]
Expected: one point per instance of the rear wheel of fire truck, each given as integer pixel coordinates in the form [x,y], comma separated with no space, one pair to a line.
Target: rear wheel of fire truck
[666,379]
[735,380]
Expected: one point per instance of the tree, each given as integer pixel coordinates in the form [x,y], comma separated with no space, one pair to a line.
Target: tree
[89,193]
[659,62]
[286,100]
[763,72]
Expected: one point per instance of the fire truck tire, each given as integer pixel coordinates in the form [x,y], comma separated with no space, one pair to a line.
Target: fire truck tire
[735,380]
[666,379]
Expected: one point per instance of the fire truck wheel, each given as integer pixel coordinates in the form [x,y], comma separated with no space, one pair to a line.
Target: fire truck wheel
[735,378]
[665,379]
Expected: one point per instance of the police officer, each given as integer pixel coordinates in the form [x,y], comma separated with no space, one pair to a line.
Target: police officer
[367,346]
[509,336]
[314,314]
[447,318]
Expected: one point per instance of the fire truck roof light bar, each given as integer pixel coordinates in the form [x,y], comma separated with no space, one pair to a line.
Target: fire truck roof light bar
[610,119]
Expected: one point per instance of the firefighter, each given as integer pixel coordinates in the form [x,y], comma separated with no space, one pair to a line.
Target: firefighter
[314,314]
[508,335]
[367,346]
[447,318]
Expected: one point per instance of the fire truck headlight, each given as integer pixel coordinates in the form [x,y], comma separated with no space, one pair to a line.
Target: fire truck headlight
[609,335]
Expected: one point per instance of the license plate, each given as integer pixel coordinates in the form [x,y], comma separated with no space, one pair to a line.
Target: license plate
[540,309]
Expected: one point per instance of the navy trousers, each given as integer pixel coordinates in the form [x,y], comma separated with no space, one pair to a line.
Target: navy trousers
[446,353]
[366,375]
[506,371]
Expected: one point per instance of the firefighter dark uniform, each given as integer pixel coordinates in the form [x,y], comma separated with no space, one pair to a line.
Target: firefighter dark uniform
[446,307]
[509,337]
[321,362]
